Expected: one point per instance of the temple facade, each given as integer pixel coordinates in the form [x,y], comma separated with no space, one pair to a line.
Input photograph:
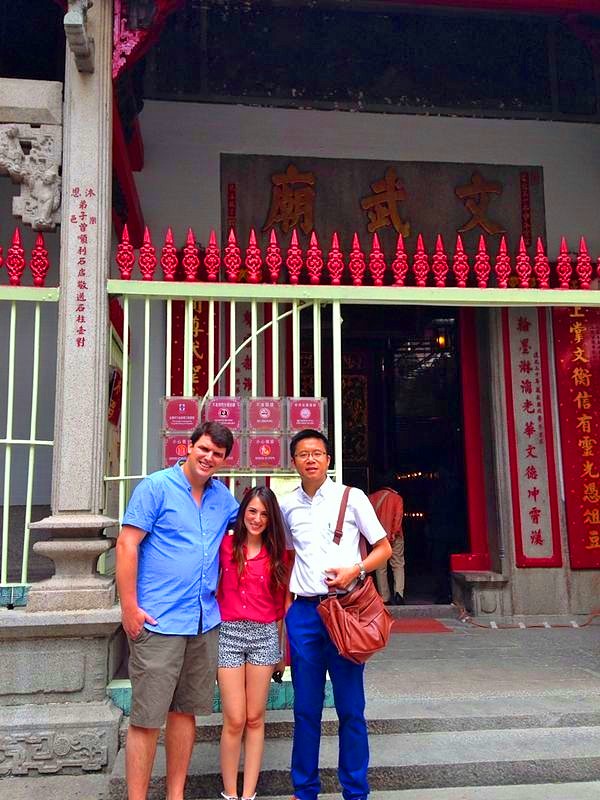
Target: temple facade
[252,212]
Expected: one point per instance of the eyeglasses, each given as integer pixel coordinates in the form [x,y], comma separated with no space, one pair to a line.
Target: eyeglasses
[306,454]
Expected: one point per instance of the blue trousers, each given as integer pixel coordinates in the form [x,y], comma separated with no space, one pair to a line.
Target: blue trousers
[312,655]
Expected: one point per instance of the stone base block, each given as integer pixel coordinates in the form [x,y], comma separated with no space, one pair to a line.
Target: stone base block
[65,738]
[480,593]
[47,596]
[57,658]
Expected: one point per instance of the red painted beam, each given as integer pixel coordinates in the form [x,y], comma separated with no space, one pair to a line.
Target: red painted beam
[124,174]
[525,6]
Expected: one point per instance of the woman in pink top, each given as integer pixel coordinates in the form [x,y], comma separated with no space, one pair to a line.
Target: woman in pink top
[251,595]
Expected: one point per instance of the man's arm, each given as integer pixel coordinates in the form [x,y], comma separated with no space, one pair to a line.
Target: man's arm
[380,553]
[374,532]
[132,616]
[342,577]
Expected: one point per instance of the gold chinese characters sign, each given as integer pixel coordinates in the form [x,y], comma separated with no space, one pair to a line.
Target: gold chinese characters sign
[390,198]
[577,348]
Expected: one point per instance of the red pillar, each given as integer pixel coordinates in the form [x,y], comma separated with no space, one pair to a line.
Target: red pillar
[478,559]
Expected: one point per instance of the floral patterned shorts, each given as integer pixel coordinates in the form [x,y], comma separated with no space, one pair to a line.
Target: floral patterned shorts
[254,642]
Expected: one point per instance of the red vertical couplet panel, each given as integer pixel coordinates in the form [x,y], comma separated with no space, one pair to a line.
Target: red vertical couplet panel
[177,334]
[530,438]
[199,347]
[577,354]
[479,558]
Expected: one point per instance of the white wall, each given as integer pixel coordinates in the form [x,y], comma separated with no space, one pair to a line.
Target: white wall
[180,183]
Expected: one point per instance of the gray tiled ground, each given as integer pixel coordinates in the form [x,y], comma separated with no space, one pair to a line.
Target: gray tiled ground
[476,664]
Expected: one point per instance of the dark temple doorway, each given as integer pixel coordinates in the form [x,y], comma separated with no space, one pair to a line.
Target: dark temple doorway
[403,426]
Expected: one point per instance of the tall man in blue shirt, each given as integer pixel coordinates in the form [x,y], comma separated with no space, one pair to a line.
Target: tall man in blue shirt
[167,568]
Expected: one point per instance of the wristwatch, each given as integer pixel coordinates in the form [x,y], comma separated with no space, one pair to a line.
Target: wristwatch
[363,573]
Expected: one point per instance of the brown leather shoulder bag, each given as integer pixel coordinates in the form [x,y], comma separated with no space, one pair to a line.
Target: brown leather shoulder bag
[358,622]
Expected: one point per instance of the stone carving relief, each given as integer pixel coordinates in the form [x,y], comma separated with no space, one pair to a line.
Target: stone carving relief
[31,156]
[48,752]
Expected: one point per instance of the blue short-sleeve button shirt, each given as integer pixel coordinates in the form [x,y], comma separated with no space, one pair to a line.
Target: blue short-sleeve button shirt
[178,559]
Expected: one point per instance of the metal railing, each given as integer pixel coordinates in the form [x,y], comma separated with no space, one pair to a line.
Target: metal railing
[29,326]
[301,282]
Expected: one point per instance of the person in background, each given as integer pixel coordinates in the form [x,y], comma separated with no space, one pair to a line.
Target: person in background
[389,507]
[251,596]
[167,570]
[310,514]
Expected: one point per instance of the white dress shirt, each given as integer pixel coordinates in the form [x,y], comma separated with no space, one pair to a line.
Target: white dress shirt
[310,527]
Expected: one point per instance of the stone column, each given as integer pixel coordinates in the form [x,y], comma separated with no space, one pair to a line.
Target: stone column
[77,522]
[58,655]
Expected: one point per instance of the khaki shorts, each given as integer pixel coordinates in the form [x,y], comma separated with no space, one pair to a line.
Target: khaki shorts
[171,673]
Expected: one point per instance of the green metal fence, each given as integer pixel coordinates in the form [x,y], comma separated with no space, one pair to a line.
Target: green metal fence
[147,338]
[146,374]
[27,365]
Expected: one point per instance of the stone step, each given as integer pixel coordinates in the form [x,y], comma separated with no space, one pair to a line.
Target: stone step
[281,695]
[427,610]
[412,761]
[430,716]
[589,790]
[95,787]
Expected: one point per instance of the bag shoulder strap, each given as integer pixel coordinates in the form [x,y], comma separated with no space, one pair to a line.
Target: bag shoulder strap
[339,526]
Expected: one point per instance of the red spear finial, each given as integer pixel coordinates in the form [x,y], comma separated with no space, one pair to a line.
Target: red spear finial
[356,262]
[15,259]
[293,259]
[168,257]
[191,259]
[541,265]
[377,262]
[314,260]
[212,258]
[253,260]
[460,263]
[440,263]
[273,257]
[400,263]
[147,258]
[40,263]
[483,265]
[335,261]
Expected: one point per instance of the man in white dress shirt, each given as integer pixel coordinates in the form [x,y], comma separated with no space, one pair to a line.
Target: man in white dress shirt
[310,514]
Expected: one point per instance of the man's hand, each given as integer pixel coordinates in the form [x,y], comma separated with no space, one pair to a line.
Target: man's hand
[341,577]
[133,621]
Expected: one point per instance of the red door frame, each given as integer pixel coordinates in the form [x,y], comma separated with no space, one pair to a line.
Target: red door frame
[478,559]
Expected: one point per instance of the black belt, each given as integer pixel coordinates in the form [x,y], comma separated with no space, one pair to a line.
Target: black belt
[311,598]
[315,598]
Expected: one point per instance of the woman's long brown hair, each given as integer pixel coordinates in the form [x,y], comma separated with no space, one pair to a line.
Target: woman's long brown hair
[273,536]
